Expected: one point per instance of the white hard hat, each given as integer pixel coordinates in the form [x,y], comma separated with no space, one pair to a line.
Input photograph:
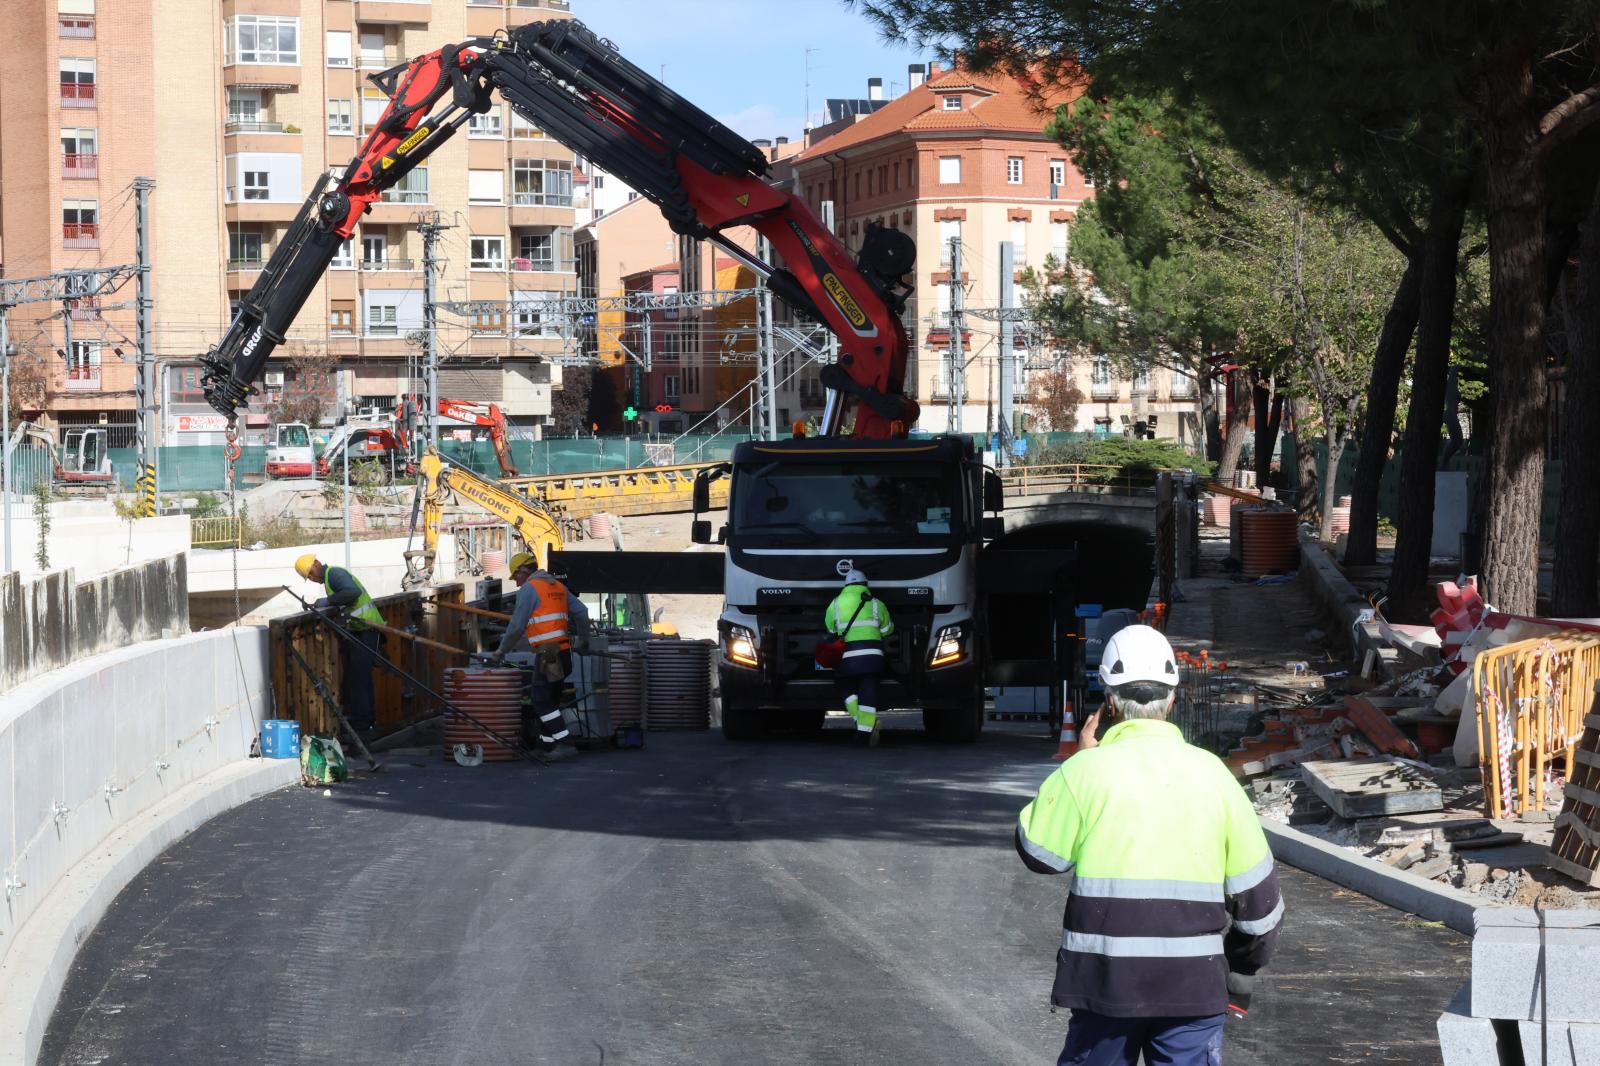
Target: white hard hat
[855,577]
[1135,655]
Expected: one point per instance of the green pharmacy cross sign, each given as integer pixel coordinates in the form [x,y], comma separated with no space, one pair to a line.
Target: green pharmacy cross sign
[630,413]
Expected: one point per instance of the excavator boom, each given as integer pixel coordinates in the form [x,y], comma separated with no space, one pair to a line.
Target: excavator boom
[438,480]
[705,178]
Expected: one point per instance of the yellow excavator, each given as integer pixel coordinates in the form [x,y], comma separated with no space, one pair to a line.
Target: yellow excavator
[530,520]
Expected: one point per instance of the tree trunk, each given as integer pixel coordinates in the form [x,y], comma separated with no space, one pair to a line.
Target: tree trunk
[1575,591]
[1305,460]
[1269,417]
[1238,415]
[1516,206]
[1330,483]
[1383,391]
[1207,396]
[1408,579]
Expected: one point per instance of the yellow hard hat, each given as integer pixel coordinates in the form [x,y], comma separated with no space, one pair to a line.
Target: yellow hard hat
[303,565]
[523,559]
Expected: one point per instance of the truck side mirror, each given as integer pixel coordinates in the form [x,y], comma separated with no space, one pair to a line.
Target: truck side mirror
[994,493]
[702,499]
[994,528]
[700,531]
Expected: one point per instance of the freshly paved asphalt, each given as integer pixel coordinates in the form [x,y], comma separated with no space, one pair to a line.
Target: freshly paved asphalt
[697,902]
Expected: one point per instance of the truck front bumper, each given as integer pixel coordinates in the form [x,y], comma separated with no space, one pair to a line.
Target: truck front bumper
[948,688]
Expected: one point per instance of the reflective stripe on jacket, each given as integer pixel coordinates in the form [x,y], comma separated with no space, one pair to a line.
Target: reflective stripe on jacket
[1173,886]
[363,611]
[548,628]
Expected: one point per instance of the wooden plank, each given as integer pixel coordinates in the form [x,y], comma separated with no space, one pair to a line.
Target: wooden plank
[1578,873]
[1365,788]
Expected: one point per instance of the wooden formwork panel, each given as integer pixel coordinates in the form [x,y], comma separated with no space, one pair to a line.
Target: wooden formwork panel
[1575,846]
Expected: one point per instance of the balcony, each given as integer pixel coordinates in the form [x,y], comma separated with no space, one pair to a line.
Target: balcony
[547,263]
[80,26]
[80,165]
[238,266]
[80,234]
[388,264]
[82,379]
[77,94]
[1103,390]
[373,59]
[242,126]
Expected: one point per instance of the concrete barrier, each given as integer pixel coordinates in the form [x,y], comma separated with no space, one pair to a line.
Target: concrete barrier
[50,621]
[91,538]
[102,764]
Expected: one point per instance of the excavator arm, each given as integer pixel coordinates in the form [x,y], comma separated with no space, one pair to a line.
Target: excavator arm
[706,179]
[487,415]
[439,480]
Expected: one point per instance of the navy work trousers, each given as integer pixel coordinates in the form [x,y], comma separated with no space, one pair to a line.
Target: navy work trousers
[1100,1040]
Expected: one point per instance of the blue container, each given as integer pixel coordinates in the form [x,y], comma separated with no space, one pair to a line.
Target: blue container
[280,739]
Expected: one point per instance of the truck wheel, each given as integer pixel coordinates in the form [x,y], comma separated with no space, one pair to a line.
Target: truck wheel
[740,723]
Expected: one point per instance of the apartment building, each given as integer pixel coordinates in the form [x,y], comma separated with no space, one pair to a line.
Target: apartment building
[963,158]
[235,108]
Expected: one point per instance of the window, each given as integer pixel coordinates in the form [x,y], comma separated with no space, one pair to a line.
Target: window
[488,253]
[382,320]
[1019,243]
[339,117]
[949,170]
[545,249]
[486,186]
[338,48]
[373,46]
[1100,377]
[857,193]
[541,183]
[244,106]
[1141,380]
[83,365]
[344,258]
[244,249]
[411,189]
[342,317]
[75,18]
[951,102]
[373,104]
[184,385]
[487,124]
[897,176]
[530,319]
[374,249]
[267,39]
[1058,172]
[1180,383]
[949,230]
[77,82]
[1014,170]
[522,128]
[691,379]
[869,181]
[1088,182]
[486,319]
[669,386]
[80,223]
[941,312]
[79,153]
[255,184]
[1059,238]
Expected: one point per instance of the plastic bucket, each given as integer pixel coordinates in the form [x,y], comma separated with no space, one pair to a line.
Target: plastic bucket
[280,738]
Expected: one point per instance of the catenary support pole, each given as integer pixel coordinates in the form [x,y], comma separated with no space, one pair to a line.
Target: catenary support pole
[958,368]
[144,377]
[769,374]
[430,227]
[1008,354]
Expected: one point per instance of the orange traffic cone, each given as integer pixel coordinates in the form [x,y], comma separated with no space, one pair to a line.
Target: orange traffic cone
[1069,734]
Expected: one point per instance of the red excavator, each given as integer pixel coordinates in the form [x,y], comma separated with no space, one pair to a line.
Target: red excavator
[803,512]
[486,415]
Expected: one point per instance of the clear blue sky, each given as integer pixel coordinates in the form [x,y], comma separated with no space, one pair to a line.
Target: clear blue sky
[744,61]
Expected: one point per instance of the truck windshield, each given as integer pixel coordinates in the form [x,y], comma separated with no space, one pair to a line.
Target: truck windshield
[294,436]
[858,499]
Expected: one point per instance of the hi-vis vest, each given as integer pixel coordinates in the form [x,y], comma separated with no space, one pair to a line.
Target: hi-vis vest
[363,611]
[548,628]
[864,638]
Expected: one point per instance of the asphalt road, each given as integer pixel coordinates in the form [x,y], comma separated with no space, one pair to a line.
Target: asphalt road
[697,902]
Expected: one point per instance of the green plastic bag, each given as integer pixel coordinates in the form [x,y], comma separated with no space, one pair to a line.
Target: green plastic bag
[321,761]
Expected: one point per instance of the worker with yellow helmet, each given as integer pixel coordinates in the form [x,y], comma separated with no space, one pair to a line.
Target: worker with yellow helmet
[544,620]
[344,593]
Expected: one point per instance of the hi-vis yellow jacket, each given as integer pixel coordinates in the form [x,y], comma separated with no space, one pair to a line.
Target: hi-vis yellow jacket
[1173,886]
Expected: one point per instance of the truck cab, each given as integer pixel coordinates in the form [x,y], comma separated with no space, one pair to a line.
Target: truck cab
[290,454]
[801,514]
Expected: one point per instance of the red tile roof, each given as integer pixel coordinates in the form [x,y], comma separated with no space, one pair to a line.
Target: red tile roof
[1002,103]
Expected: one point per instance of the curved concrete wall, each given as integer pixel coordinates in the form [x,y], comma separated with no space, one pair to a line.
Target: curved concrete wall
[88,747]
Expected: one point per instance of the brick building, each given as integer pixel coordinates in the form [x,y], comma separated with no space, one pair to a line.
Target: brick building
[234,108]
[964,157]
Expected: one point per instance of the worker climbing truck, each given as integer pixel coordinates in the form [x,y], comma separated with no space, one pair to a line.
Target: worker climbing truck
[819,501]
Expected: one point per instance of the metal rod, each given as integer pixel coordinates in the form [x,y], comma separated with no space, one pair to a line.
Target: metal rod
[321,688]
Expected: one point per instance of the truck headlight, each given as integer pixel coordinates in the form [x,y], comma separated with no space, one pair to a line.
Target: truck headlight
[740,646]
[947,647]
